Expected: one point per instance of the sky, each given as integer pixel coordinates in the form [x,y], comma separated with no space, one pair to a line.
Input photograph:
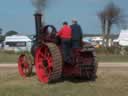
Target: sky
[18,14]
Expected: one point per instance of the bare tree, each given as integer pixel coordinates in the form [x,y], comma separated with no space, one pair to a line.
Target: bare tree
[101,16]
[112,14]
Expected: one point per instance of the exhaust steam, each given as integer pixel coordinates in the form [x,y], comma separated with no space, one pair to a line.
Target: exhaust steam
[39,5]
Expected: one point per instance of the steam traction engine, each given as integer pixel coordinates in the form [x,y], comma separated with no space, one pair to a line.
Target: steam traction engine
[48,57]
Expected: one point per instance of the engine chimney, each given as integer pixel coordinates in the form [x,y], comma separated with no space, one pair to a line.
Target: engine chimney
[38,24]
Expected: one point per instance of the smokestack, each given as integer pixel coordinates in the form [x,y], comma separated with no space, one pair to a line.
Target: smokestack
[38,24]
[39,5]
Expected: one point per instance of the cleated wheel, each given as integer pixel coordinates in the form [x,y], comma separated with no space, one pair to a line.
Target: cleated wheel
[48,62]
[24,65]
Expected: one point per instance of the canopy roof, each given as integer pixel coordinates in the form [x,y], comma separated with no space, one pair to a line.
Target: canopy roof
[17,38]
[123,35]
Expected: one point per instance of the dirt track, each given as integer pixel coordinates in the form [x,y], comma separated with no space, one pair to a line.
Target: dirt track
[101,64]
[112,81]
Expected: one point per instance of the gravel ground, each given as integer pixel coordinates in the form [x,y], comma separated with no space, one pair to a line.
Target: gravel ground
[112,81]
[103,67]
[101,64]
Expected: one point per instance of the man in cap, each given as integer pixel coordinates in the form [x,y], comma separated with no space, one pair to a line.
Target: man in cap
[76,34]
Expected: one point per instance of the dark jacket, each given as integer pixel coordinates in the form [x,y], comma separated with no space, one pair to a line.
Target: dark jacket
[76,32]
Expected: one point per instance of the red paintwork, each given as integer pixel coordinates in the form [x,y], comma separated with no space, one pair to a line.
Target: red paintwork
[71,70]
[43,72]
[84,58]
[22,65]
[78,59]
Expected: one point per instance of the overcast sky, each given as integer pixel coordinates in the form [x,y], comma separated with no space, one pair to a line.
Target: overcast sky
[18,14]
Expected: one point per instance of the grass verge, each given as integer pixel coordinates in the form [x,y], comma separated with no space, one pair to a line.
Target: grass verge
[11,57]
[112,58]
[8,57]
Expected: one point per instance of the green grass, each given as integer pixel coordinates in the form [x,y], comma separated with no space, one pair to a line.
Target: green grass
[11,84]
[11,57]
[8,57]
[112,58]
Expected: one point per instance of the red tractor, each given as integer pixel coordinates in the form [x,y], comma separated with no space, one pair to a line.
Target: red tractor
[48,58]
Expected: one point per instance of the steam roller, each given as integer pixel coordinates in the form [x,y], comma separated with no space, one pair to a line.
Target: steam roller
[46,57]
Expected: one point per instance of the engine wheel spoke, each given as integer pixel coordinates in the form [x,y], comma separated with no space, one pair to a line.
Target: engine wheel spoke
[47,60]
[24,65]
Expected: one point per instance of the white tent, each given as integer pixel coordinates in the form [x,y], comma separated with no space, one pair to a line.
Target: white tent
[17,43]
[17,38]
[123,38]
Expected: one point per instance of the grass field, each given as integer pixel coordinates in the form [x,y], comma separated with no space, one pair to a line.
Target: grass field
[112,58]
[11,57]
[8,57]
[107,84]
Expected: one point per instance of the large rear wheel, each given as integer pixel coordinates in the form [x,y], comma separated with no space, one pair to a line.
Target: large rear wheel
[48,62]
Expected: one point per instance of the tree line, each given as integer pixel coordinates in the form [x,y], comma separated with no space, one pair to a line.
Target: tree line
[9,33]
[109,16]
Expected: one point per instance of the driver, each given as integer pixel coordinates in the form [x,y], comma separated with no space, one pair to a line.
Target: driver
[65,35]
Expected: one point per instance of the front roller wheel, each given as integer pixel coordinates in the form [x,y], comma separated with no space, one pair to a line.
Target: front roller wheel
[25,65]
[48,62]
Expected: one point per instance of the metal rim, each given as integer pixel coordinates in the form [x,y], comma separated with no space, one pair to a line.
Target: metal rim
[24,65]
[44,63]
